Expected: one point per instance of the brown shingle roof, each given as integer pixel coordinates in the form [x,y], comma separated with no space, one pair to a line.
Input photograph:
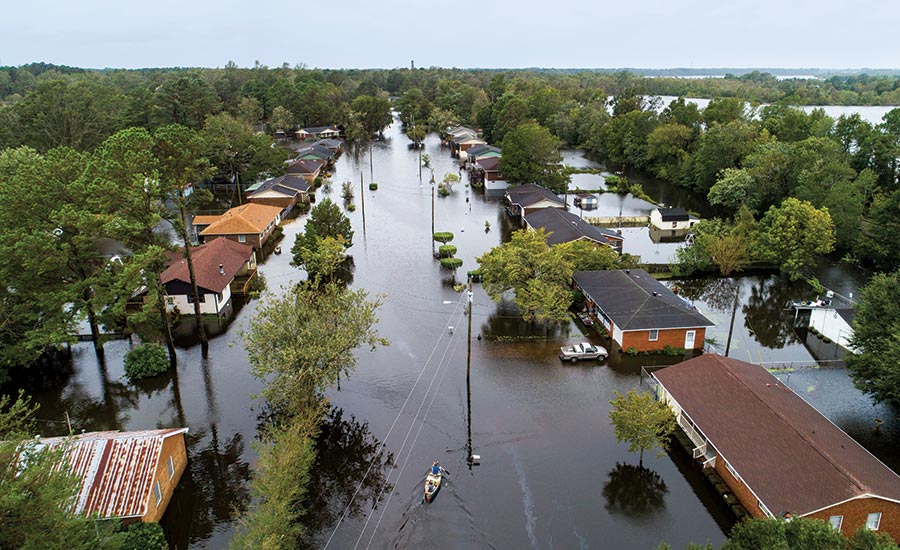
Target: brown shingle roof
[245,219]
[206,259]
[793,458]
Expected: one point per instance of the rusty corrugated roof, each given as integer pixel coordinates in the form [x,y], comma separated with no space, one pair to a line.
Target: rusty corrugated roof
[116,469]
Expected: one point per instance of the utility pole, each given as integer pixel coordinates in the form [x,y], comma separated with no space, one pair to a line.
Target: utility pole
[362,195]
[470,459]
[737,293]
[432,220]
[371,166]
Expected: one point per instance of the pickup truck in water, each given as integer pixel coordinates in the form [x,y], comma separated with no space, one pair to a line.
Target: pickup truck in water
[583,351]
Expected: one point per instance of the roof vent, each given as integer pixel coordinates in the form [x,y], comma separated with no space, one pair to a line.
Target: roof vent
[655,293]
[627,272]
[221,269]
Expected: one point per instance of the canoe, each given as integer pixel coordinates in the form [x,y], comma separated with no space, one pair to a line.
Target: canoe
[432,485]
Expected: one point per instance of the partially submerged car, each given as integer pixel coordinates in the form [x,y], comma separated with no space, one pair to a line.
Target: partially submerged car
[582,352]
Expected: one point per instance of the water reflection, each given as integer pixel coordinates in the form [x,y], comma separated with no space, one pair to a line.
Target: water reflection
[213,490]
[345,451]
[634,491]
[716,293]
[764,311]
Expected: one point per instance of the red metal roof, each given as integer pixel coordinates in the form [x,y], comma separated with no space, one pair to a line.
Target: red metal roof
[793,458]
[116,469]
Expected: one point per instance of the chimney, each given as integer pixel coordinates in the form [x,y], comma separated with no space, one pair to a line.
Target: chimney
[221,269]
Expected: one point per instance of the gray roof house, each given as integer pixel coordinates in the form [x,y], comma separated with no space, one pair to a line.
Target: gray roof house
[640,312]
[565,226]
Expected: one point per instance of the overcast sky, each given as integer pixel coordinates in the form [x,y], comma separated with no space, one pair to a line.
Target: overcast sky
[487,33]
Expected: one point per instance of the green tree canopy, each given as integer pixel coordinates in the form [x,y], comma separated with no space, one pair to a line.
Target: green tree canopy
[641,421]
[531,155]
[793,234]
[875,368]
[325,221]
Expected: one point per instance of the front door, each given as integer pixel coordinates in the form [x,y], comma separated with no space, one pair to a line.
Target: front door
[689,339]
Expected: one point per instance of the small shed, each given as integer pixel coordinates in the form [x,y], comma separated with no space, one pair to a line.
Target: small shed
[672,218]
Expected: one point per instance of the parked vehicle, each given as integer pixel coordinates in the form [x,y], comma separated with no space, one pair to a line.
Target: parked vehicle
[584,351]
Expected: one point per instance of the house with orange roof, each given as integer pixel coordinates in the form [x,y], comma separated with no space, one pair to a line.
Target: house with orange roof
[249,224]
[124,475]
[222,268]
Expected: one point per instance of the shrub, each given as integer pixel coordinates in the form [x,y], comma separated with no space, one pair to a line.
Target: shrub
[672,351]
[443,190]
[827,340]
[443,237]
[446,250]
[451,263]
[144,536]
[145,361]
[632,351]
[373,186]
[351,207]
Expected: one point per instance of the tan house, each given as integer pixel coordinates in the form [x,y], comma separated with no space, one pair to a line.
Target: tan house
[125,475]
[525,199]
[776,453]
[640,312]
[284,192]
[249,224]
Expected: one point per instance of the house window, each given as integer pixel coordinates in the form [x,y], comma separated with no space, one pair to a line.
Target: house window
[157,492]
[732,471]
[171,468]
[242,238]
[190,298]
[835,522]
[873,521]
[654,335]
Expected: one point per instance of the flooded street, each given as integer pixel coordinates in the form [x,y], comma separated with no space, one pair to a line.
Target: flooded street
[551,473]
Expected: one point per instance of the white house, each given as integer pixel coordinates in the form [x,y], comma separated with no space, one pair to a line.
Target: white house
[672,218]
[217,264]
[834,323]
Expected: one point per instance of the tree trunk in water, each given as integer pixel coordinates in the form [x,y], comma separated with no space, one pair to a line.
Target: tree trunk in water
[641,459]
[92,321]
[204,342]
[164,317]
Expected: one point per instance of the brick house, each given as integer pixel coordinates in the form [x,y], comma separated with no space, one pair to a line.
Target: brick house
[125,475]
[775,452]
[249,224]
[640,312]
[564,226]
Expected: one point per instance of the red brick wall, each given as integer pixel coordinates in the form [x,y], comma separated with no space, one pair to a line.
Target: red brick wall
[172,446]
[740,490]
[857,510]
[673,338]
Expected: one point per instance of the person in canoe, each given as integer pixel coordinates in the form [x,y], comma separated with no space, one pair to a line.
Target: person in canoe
[436,468]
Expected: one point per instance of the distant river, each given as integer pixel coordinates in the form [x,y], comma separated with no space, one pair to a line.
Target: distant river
[870,113]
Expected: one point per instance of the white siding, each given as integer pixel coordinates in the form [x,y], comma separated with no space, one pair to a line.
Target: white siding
[617,335]
[212,304]
[828,322]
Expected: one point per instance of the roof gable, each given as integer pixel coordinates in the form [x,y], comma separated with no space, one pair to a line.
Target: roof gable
[793,458]
[634,300]
[564,227]
[247,218]
[528,194]
[674,214]
[116,469]
[206,259]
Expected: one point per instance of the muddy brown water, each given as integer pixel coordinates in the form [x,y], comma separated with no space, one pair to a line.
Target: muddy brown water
[551,473]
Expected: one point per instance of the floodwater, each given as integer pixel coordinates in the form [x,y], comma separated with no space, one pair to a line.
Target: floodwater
[550,474]
[870,113]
